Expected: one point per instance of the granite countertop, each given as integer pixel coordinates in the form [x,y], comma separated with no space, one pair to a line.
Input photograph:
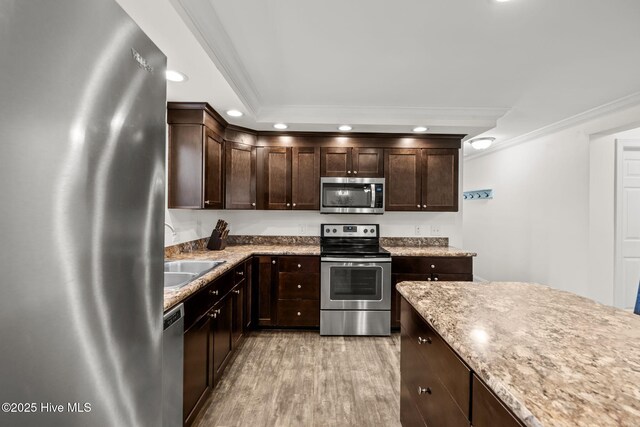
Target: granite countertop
[554,358]
[234,255]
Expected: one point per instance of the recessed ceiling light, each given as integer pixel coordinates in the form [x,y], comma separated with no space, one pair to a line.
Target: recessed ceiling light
[176,76]
[420,129]
[345,128]
[234,113]
[280,126]
[482,143]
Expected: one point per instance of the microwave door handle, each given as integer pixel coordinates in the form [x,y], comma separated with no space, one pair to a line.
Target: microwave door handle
[373,195]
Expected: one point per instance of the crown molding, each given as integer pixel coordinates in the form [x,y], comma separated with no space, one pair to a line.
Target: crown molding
[202,19]
[611,107]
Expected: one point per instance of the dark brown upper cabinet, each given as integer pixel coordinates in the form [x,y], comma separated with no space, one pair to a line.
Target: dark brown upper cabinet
[421,179]
[288,178]
[240,165]
[352,161]
[196,151]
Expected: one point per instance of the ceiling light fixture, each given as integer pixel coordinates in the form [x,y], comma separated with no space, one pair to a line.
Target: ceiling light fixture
[482,143]
[419,129]
[344,128]
[280,126]
[176,76]
[234,113]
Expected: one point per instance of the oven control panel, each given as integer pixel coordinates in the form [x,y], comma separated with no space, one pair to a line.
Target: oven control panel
[350,230]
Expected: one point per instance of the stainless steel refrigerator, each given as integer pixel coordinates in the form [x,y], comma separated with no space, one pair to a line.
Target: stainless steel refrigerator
[82,153]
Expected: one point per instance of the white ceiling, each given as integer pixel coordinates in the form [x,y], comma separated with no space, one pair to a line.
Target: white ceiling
[462,66]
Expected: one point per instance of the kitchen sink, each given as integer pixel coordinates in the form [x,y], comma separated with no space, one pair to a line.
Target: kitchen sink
[179,273]
[176,280]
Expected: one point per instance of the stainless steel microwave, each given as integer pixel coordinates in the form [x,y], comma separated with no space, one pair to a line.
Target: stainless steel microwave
[352,195]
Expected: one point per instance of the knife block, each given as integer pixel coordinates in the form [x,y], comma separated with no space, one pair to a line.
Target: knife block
[216,242]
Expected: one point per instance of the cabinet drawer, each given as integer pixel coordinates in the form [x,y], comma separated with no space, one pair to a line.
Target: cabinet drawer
[437,355]
[200,302]
[299,286]
[302,264]
[428,265]
[434,403]
[487,410]
[298,313]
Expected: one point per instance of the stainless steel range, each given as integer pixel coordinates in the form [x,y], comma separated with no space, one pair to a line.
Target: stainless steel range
[355,277]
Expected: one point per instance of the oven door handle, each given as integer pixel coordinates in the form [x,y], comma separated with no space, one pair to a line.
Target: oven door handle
[358,260]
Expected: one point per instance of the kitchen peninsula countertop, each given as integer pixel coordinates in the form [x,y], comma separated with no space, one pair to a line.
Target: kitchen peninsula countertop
[554,358]
[234,255]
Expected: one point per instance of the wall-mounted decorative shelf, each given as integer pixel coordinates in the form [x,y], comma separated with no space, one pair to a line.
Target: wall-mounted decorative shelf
[478,194]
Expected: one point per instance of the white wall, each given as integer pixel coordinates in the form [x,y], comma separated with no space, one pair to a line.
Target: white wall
[551,219]
[193,224]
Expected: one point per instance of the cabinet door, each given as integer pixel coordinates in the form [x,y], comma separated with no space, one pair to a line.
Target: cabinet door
[221,336]
[335,161]
[248,296]
[274,185]
[185,166]
[240,170]
[267,298]
[197,380]
[237,322]
[402,168]
[487,410]
[440,179]
[305,178]
[213,168]
[368,162]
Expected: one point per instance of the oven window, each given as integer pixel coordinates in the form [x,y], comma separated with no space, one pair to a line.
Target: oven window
[356,283]
[346,195]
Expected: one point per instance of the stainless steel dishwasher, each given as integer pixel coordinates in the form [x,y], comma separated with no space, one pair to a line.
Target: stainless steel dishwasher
[172,366]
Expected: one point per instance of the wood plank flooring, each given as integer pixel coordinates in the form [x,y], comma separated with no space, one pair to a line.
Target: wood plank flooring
[292,378]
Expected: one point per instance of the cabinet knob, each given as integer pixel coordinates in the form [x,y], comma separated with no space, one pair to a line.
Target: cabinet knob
[253,204]
[433,266]
[236,291]
[428,279]
[355,172]
[426,340]
[240,273]
[435,278]
[288,204]
[214,315]
[417,206]
[299,313]
[348,171]
[424,206]
[294,205]
[207,202]
[299,286]
[273,262]
[424,390]
[218,311]
[213,292]
[299,266]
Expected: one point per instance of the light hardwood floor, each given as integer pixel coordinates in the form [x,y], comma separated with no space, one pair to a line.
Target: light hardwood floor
[291,378]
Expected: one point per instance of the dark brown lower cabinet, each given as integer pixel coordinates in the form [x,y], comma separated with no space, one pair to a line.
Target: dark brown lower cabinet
[214,327]
[197,377]
[437,387]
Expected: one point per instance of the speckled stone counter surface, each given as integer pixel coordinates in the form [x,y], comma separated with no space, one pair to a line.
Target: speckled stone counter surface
[554,358]
[233,255]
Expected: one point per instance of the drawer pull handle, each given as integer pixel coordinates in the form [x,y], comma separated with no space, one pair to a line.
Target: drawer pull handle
[424,390]
[218,311]
[213,292]
[424,340]
[213,315]
[236,291]
[240,273]
[299,314]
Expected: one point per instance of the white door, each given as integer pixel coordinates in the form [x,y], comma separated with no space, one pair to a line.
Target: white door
[627,222]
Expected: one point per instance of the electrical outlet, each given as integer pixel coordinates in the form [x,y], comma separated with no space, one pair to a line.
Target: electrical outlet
[418,230]
[435,230]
